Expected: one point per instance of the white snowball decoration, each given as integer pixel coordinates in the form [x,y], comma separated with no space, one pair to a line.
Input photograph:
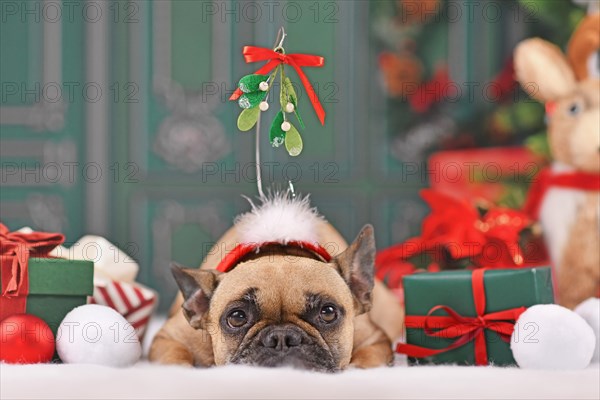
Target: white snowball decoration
[590,311]
[548,336]
[95,334]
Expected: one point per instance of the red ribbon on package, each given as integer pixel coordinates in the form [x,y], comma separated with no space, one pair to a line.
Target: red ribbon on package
[256,54]
[547,179]
[465,329]
[15,250]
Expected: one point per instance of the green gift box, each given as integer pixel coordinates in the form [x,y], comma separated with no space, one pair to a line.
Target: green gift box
[56,286]
[441,313]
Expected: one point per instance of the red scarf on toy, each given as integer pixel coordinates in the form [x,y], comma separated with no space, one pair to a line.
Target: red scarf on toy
[547,179]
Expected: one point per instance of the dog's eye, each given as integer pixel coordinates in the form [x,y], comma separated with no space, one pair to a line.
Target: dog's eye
[237,319]
[328,313]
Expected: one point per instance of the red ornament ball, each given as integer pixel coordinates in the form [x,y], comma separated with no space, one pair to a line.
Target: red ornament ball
[25,339]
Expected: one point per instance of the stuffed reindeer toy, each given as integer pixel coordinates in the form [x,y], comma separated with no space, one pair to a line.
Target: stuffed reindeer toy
[565,197]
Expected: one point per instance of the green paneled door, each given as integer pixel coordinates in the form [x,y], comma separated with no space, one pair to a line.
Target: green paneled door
[42,136]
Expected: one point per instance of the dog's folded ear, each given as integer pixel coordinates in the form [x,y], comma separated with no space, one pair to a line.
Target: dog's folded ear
[356,265]
[197,287]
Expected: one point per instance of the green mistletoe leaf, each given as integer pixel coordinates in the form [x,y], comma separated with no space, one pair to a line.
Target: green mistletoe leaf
[249,100]
[247,119]
[277,135]
[298,118]
[288,94]
[289,89]
[283,98]
[249,83]
[293,142]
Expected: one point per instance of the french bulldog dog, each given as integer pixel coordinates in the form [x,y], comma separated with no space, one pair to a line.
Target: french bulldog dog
[282,303]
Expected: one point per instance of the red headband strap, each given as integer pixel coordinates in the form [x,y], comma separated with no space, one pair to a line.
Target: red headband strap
[241,250]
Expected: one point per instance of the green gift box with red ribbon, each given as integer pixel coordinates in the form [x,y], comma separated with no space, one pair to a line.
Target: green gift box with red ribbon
[32,282]
[467,317]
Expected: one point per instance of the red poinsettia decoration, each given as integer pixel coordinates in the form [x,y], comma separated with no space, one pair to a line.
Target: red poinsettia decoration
[457,230]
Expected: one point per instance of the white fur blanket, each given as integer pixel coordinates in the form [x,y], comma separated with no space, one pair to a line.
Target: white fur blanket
[161,382]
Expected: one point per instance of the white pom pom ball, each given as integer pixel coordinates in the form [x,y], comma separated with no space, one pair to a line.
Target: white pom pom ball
[289,108]
[286,126]
[590,311]
[548,336]
[263,105]
[95,334]
[264,86]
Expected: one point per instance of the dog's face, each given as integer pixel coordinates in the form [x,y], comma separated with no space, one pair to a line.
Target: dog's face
[281,309]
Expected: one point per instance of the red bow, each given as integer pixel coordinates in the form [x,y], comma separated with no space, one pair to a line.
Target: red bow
[256,54]
[455,225]
[15,250]
[463,328]
[547,178]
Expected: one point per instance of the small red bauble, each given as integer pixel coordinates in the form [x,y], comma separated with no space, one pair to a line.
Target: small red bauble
[25,339]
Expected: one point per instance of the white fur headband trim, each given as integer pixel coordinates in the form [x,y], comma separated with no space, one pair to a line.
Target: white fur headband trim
[279,219]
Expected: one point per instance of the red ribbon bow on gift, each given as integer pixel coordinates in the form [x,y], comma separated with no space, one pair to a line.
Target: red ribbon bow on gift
[463,328]
[455,225]
[15,250]
[256,54]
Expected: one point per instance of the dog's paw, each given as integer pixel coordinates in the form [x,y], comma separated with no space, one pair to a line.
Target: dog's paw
[372,357]
[170,352]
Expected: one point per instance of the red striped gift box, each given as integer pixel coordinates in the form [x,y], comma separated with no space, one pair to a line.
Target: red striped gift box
[133,301]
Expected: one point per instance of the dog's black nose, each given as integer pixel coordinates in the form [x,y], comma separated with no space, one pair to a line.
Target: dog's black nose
[282,338]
